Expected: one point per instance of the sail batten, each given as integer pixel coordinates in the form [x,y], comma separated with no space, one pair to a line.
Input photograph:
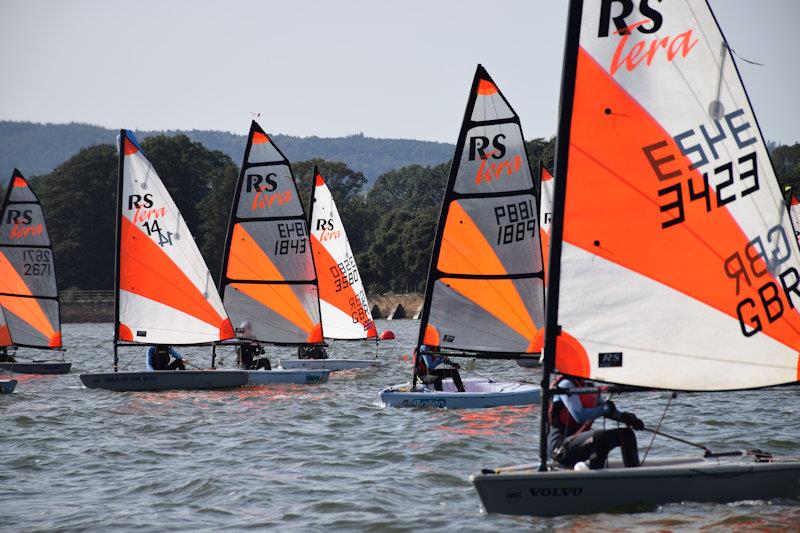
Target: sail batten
[485,287]
[165,294]
[28,286]
[268,277]
[678,265]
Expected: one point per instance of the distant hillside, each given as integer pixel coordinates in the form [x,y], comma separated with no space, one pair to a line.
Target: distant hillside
[38,148]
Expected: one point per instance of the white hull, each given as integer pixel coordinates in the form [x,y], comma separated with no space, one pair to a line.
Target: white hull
[286,377]
[7,386]
[329,364]
[478,393]
[524,491]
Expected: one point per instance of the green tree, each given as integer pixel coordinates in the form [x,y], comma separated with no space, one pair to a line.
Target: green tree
[345,183]
[79,202]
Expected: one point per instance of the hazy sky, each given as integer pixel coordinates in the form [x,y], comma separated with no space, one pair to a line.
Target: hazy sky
[329,68]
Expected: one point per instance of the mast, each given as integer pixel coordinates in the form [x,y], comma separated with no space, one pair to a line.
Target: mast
[443,210]
[557,226]
[118,238]
[311,247]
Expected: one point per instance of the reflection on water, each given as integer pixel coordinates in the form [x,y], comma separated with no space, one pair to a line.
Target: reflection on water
[490,422]
[321,457]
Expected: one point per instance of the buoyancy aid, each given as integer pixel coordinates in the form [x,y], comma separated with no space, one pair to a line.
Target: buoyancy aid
[161,358]
[559,414]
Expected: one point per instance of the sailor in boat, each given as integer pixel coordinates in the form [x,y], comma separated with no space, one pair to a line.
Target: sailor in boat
[6,357]
[571,440]
[312,352]
[426,369]
[249,350]
[158,358]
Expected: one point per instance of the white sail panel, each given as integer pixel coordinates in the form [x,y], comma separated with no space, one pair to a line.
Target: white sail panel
[546,192]
[679,270]
[343,303]
[160,263]
[485,289]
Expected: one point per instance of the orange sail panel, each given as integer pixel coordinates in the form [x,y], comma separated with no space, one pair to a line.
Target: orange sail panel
[165,290]
[343,303]
[28,288]
[268,276]
[679,267]
[485,287]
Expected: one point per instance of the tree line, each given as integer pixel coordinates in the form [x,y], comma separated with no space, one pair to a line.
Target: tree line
[391,228]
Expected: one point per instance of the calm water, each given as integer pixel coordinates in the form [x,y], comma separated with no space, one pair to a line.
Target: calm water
[318,457]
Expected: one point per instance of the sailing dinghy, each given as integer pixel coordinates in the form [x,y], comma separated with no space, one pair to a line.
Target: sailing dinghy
[164,293]
[484,296]
[268,276]
[546,185]
[28,288]
[344,309]
[673,263]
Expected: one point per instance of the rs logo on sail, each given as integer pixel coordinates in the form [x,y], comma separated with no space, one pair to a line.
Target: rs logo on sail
[640,51]
[22,221]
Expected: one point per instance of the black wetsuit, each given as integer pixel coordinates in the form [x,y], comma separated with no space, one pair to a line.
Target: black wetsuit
[568,444]
[248,351]
[311,352]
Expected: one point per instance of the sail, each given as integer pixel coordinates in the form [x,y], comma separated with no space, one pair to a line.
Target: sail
[164,289]
[678,265]
[546,190]
[794,213]
[28,288]
[485,288]
[343,303]
[5,333]
[268,276]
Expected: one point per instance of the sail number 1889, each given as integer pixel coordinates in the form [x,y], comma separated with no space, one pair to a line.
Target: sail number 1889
[515,221]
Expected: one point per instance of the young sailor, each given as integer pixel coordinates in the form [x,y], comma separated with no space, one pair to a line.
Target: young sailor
[427,363]
[312,352]
[571,439]
[249,349]
[6,357]
[158,358]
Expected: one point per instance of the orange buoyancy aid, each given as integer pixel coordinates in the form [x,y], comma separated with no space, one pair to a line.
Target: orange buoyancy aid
[559,414]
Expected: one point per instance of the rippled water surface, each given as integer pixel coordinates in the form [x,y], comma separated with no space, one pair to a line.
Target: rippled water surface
[319,457]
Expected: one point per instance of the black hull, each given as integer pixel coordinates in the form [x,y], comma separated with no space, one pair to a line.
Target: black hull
[36,368]
[165,380]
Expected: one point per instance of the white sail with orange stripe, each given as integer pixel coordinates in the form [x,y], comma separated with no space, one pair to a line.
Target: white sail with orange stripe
[546,190]
[485,288]
[794,213]
[678,264]
[28,288]
[343,303]
[268,276]
[164,289]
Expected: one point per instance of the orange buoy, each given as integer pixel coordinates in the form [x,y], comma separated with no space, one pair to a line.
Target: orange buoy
[387,335]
